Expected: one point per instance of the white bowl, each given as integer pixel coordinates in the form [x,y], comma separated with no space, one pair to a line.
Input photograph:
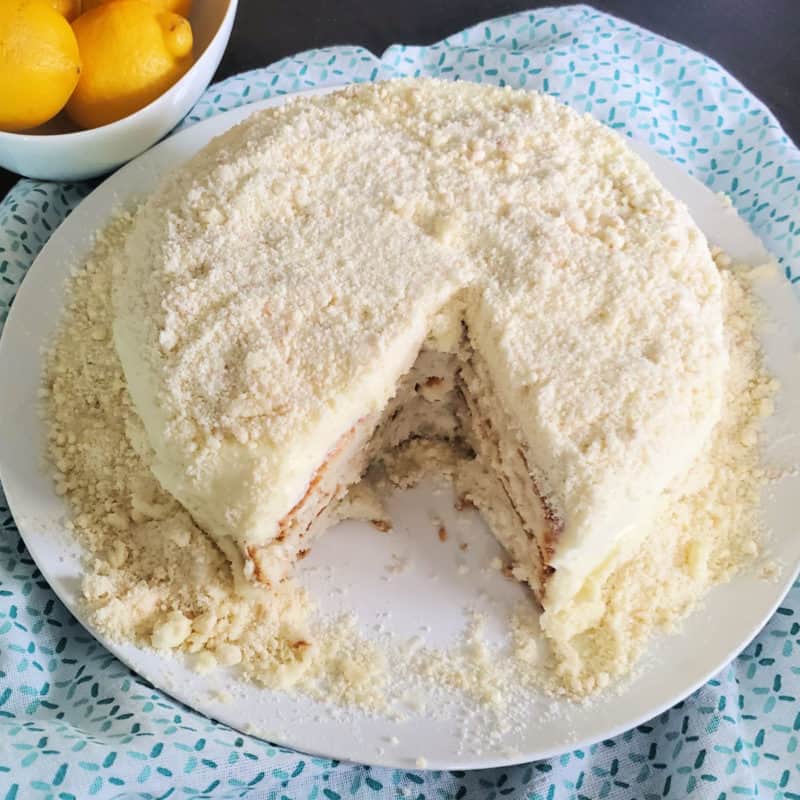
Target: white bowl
[50,154]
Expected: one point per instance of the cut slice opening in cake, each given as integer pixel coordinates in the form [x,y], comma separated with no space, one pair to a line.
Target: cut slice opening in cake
[443,418]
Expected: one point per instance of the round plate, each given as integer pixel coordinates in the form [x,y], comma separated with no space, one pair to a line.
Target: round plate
[432,589]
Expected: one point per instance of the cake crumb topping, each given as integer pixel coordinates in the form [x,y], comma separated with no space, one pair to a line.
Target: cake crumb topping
[153,577]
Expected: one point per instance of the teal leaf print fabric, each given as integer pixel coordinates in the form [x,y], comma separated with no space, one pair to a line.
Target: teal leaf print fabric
[76,723]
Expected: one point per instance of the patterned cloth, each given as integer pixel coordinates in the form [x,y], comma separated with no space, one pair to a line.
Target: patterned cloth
[75,723]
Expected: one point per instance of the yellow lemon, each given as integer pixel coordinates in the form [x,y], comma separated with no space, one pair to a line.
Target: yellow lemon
[39,63]
[131,54]
[67,8]
[182,7]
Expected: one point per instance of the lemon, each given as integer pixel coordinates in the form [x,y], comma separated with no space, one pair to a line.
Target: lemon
[39,63]
[181,7]
[67,8]
[131,54]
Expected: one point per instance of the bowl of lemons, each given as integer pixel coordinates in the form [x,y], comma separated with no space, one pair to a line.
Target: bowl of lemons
[86,85]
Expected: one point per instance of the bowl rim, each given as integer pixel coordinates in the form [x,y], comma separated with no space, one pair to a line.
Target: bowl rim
[72,136]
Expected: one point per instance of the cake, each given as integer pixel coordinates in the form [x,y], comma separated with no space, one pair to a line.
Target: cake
[422,262]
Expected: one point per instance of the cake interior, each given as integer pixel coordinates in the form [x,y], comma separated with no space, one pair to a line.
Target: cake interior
[443,418]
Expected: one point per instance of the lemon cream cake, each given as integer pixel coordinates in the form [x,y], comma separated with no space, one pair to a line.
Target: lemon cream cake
[423,261]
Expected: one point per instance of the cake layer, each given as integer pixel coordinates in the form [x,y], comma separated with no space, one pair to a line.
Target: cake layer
[277,287]
[506,488]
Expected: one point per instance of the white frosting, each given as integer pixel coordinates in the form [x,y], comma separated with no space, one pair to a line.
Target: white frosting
[278,284]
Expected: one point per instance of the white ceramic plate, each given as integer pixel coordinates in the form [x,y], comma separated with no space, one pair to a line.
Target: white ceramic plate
[430,591]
